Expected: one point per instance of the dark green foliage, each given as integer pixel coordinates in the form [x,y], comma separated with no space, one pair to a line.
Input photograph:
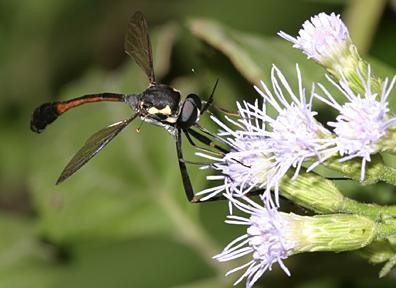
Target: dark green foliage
[123,221]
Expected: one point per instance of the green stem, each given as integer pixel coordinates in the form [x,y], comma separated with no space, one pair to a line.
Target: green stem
[388,175]
[362,32]
[373,211]
[321,196]
[386,228]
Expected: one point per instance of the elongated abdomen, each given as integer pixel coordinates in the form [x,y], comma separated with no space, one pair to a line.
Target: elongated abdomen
[49,112]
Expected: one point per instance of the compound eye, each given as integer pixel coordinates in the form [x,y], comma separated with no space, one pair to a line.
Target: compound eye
[190,111]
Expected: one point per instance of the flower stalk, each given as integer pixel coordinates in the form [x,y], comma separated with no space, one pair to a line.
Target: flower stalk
[272,236]
[320,195]
[337,233]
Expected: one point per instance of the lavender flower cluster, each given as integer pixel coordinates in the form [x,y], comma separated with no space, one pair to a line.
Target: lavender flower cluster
[264,148]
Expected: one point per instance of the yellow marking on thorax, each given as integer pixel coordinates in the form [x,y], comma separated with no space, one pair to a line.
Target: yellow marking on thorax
[164,111]
[171,120]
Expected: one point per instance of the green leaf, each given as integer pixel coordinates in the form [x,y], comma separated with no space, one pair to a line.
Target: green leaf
[206,283]
[23,261]
[393,4]
[27,262]
[144,262]
[253,56]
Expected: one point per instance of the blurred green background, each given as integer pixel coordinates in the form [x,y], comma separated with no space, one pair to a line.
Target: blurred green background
[123,220]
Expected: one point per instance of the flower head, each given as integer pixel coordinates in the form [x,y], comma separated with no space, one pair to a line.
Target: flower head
[249,163]
[321,37]
[325,39]
[295,134]
[273,236]
[363,120]
[265,240]
[259,157]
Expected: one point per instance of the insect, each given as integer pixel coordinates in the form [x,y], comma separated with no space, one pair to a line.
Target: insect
[159,104]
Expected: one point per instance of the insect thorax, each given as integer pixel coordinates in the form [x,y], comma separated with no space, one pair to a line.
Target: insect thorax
[160,102]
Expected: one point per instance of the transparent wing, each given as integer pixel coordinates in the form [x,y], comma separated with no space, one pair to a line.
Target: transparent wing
[138,45]
[92,146]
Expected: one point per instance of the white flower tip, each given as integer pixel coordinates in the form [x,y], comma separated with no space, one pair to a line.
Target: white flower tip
[256,88]
[320,37]
[287,37]
[276,69]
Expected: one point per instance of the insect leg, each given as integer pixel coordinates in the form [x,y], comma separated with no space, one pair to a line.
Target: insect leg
[196,162]
[225,111]
[214,136]
[183,169]
[205,140]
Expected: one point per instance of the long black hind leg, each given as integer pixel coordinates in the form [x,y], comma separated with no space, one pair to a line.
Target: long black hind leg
[213,135]
[188,189]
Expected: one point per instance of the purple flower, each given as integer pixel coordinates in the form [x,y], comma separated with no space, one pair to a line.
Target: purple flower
[322,38]
[273,236]
[363,120]
[266,240]
[264,148]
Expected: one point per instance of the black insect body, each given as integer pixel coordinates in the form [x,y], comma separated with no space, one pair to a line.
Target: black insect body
[159,104]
